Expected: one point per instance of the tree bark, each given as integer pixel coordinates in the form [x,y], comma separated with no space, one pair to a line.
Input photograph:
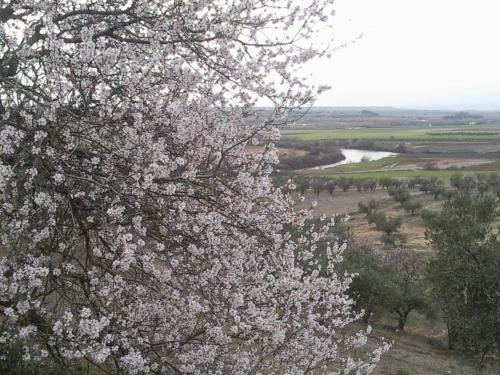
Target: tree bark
[452,335]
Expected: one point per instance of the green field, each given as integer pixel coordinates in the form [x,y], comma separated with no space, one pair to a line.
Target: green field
[442,174]
[407,134]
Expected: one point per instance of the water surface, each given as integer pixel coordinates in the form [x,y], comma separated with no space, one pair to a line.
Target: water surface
[357,156]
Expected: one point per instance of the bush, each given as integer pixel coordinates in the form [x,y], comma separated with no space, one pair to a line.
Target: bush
[344,183]
[302,183]
[375,283]
[12,363]
[430,167]
[386,182]
[330,186]
[385,224]
[317,153]
[369,207]
[318,185]
[389,226]
[393,239]
[411,206]
[402,371]
[399,194]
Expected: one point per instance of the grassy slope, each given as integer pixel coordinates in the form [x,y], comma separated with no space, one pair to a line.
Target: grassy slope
[421,350]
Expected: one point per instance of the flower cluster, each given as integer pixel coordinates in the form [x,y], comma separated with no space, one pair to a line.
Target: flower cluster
[136,231]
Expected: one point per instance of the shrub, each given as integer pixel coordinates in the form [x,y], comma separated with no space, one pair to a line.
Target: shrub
[402,371]
[368,207]
[330,186]
[400,194]
[389,227]
[375,282]
[12,363]
[411,206]
[345,183]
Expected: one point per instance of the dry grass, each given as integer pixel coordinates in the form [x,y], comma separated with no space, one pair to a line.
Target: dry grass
[424,355]
[421,349]
[347,203]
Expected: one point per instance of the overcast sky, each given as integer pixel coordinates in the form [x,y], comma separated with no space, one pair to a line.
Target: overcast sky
[414,53]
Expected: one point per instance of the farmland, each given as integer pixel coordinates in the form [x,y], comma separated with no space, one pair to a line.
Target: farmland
[426,153]
[398,173]
[406,134]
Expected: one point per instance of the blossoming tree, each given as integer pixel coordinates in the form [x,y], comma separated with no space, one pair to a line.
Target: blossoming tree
[136,232]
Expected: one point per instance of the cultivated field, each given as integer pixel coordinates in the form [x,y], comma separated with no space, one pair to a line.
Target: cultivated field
[436,152]
[421,134]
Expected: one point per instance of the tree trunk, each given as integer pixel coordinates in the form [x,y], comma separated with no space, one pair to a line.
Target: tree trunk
[366,317]
[452,336]
[402,318]
[402,321]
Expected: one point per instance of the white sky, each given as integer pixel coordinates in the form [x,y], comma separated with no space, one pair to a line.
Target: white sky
[414,53]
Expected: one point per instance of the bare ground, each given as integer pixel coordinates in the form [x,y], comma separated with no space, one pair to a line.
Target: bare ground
[347,204]
[424,355]
[421,349]
[339,202]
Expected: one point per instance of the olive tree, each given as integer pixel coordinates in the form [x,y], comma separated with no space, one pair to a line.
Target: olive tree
[465,271]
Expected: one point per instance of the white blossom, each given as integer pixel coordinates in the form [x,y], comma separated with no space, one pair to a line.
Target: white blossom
[136,230]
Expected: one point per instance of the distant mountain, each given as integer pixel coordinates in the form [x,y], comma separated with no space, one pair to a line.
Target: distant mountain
[343,111]
[463,116]
[367,113]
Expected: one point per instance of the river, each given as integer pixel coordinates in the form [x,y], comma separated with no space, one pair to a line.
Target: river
[357,156]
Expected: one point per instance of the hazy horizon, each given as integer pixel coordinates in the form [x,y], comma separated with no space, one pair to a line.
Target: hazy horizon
[412,55]
[435,108]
